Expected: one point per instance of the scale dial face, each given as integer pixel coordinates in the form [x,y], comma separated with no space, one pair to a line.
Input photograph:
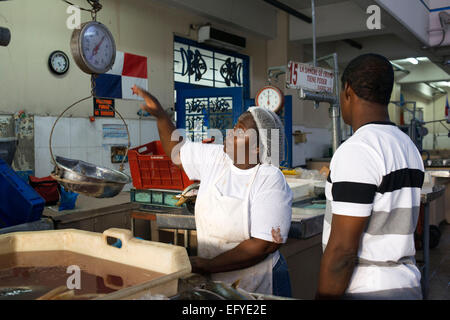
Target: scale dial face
[271,98]
[58,62]
[93,48]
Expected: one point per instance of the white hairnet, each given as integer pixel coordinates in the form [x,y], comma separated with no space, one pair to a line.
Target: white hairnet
[269,125]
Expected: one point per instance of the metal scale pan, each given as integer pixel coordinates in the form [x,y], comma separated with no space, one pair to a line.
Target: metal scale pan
[89,179]
[86,178]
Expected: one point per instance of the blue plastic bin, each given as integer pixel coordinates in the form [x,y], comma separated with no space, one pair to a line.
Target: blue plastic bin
[19,202]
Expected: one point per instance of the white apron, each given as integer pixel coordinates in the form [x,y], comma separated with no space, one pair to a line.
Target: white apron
[223,223]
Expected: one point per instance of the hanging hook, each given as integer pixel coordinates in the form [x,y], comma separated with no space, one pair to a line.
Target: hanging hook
[95,4]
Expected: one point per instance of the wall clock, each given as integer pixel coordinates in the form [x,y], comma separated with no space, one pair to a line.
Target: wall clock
[271,98]
[58,62]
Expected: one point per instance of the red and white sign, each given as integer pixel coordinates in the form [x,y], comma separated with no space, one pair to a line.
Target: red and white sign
[302,75]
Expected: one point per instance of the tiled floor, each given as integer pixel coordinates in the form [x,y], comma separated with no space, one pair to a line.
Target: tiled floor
[439,285]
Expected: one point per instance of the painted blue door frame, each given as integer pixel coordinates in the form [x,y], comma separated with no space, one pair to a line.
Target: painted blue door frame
[286,117]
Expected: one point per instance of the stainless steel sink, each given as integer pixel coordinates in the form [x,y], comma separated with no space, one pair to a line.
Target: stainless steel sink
[438,163]
[8,148]
[306,222]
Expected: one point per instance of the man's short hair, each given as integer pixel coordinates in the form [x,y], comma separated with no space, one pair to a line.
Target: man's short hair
[371,76]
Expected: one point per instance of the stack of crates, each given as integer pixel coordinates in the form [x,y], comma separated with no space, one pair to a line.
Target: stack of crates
[151,168]
[19,202]
[156,178]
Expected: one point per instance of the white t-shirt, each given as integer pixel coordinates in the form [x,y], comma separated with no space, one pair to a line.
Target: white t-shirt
[270,203]
[378,173]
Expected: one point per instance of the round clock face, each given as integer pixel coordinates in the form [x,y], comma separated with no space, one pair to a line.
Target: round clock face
[58,62]
[270,98]
[93,48]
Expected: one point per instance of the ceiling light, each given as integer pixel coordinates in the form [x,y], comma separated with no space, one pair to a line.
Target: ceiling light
[441,83]
[413,60]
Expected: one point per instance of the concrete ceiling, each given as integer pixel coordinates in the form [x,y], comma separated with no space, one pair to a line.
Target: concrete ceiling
[336,20]
[339,20]
[424,71]
[306,4]
[246,15]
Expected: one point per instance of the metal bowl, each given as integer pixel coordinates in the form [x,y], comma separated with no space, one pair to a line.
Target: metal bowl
[88,179]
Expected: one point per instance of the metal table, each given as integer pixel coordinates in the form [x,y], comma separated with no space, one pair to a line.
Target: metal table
[306,225]
[92,214]
[427,196]
[165,218]
[302,227]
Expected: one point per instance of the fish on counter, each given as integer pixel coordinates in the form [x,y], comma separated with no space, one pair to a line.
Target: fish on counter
[214,290]
[18,293]
[188,196]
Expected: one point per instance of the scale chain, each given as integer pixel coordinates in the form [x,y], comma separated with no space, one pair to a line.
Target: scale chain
[95,4]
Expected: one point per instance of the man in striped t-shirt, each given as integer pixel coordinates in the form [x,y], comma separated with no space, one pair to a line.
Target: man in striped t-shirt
[373,195]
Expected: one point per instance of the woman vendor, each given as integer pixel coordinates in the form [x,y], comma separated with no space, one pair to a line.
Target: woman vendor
[243,208]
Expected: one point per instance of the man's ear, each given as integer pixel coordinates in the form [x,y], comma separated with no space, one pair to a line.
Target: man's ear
[349,92]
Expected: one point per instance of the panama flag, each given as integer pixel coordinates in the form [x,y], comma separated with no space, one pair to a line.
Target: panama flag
[128,70]
[447,107]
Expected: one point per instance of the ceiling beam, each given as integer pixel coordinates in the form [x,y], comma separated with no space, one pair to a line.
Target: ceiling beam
[353,43]
[289,10]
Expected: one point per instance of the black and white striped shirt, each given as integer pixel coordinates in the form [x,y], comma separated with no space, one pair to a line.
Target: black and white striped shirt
[378,173]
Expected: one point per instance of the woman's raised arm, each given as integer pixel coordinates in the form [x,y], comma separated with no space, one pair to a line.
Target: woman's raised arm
[165,125]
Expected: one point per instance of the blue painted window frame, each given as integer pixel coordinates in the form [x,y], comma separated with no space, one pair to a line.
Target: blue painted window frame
[235,93]
[246,102]
[245,70]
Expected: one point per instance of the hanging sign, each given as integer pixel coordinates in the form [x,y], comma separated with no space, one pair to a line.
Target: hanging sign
[104,108]
[302,75]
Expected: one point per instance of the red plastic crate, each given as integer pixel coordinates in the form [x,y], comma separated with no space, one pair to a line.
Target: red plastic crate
[151,168]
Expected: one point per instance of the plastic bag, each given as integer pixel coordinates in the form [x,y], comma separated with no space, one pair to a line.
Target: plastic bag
[67,200]
[118,243]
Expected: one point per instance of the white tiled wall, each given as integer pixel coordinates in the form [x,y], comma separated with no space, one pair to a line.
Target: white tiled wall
[317,145]
[78,138]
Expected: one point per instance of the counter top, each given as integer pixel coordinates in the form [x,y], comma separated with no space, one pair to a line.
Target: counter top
[85,203]
[429,194]
[305,224]
[90,207]
[439,173]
